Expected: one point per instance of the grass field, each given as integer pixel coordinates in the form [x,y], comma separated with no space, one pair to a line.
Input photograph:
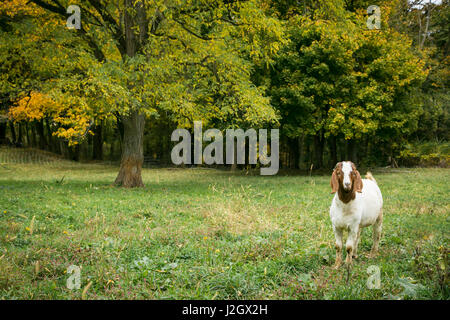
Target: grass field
[211,234]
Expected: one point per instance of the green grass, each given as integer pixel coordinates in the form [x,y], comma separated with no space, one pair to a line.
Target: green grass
[205,233]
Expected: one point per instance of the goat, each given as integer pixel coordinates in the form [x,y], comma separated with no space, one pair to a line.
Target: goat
[357,204]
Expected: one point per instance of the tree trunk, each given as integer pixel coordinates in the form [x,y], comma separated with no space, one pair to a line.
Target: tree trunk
[295,153]
[234,164]
[33,134]
[333,151]
[342,149]
[57,146]
[132,151]
[27,134]
[136,35]
[301,147]
[2,132]
[97,144]
[51,145]
[74,152]
[111,151]
[40,132]
[352,151]
[20,136]
[318,150]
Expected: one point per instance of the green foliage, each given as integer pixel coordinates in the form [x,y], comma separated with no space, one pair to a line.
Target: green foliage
[340,78]
[427,26]
[430,153]
[311,67]
[196,64]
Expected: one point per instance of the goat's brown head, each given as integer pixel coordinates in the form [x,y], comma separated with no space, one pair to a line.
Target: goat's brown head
[346,179]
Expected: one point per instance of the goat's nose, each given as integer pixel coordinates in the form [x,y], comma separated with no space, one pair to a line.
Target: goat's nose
[347,184]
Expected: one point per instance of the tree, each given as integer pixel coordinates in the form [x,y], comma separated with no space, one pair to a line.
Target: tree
[336,79]
[427,24]
[194,57]
[35,68]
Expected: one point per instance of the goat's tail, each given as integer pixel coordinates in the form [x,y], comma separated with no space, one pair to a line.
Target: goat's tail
[370,177]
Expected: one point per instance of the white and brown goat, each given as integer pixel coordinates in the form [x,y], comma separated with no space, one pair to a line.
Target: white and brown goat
[357,204]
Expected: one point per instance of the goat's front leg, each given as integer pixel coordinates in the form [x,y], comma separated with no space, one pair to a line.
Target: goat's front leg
[338,246]
[351,243]
[355,249]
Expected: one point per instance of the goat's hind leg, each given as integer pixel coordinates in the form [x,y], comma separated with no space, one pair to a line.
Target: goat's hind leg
[338,246]
[377,228]
[355,249]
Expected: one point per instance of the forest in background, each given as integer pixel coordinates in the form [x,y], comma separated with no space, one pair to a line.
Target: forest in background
[115,89]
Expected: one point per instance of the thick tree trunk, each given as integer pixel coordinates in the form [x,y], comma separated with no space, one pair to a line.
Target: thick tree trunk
[132,151]
[133,125]
[97,144]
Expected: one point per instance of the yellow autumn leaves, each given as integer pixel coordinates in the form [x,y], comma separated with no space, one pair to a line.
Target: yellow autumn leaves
[23,7]
[72,121]
[32,107]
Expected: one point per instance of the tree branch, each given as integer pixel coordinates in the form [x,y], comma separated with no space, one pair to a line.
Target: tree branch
[183,25]
[113,25]
[59,9]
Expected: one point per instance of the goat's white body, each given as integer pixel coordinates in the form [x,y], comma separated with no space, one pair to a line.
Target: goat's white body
[363,211]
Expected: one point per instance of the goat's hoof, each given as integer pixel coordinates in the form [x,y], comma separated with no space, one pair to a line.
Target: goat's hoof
[337,266]
[355,256]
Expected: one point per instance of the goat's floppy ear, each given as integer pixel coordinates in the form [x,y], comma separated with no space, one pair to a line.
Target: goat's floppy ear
[358,182]
[334,182]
